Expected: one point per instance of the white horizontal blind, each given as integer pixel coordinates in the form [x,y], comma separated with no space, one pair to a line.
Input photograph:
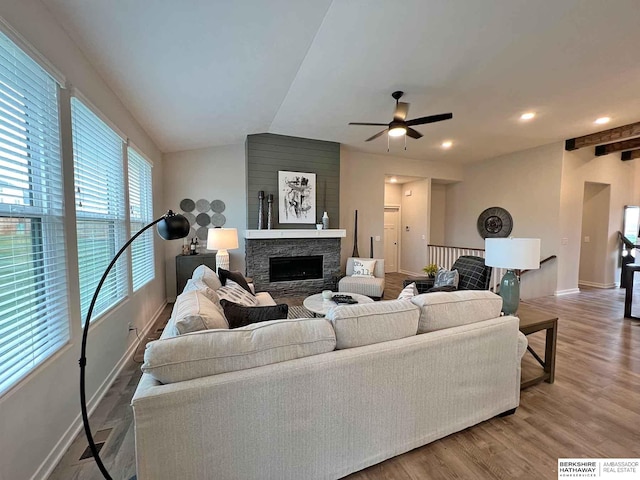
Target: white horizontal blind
[100,207]
[141,214]
[34,321]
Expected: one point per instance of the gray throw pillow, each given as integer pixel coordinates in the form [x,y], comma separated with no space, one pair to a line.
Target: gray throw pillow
[446,278]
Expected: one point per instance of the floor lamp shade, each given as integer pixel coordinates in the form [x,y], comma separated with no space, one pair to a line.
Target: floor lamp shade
[512,254]
[222,239]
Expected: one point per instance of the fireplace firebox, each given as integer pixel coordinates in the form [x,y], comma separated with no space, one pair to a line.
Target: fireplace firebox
[286,269]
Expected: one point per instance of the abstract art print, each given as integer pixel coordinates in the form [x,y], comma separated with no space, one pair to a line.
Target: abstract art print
[297,192]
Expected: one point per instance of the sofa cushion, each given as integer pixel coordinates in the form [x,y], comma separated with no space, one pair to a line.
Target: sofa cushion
[211,352]
[369,286]
[239,316]
[203,288]
[408,292]
[235,293]
[450,309]
[193,311]
[237,277]
[367,323]
[208,276]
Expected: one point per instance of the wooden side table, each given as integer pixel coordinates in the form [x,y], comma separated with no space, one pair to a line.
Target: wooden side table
[531,321]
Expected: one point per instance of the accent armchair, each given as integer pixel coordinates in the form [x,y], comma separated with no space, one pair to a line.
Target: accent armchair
[370,286]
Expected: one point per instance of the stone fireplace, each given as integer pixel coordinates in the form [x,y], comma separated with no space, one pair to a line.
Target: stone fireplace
[310,260]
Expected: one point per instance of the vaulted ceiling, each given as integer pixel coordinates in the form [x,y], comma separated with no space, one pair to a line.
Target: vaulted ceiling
[199,73]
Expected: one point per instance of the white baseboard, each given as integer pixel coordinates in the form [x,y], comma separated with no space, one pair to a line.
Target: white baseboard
[49,464]
[596,285]
[568,291]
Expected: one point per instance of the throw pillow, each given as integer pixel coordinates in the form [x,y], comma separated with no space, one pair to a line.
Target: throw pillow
[239,315]
[363,268]
[235,293]
[446,277]
[193,311]
[233,276]
[203,288]
[408,292]
[208,276]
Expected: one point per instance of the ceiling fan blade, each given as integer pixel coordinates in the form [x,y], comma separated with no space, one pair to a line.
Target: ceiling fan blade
[376,135]
[402,109]
[413,133]
[429,119]
[375,124]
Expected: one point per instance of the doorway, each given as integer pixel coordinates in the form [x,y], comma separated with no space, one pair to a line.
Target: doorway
[391,247]
[594,270]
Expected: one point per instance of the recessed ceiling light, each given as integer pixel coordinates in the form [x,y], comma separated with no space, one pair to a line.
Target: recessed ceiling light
[527,116]
[393,179]
[447,144]
[602,120]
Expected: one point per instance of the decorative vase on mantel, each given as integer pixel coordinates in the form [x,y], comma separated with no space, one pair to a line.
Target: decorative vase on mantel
[270,211]
[260,209]
[325,221]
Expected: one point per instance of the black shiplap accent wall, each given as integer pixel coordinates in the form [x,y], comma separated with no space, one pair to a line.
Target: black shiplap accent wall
[268,153]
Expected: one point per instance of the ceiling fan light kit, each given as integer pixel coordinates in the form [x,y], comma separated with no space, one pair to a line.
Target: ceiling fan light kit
[399,126]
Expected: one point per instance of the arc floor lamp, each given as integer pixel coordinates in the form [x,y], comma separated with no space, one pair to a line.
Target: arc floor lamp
[171,226]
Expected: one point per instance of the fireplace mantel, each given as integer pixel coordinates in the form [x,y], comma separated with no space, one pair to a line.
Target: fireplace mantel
[295,233]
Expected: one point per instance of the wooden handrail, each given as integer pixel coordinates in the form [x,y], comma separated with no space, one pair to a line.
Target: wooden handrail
[550,257]
[627,243]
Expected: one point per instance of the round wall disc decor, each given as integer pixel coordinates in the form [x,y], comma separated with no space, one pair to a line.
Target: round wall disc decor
[187,205]
[495,222]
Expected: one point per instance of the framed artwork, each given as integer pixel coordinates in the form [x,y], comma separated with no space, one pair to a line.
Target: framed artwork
[297,197]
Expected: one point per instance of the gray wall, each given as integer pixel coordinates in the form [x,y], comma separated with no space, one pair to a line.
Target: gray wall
[267,154]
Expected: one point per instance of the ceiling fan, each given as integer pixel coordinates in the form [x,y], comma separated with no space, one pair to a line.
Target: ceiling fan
[399,126]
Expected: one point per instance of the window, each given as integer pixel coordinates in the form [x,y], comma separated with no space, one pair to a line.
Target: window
[100,211]
[141,214]
[34,320]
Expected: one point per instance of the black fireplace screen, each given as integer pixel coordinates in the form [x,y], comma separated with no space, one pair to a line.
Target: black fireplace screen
[286,269]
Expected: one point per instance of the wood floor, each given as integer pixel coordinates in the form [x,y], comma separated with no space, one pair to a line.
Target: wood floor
[592,409]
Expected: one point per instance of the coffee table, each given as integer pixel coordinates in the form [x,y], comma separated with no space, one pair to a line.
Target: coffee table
[319,306]
[531,321]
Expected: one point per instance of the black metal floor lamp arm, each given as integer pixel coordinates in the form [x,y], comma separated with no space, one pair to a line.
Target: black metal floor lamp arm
[83,350]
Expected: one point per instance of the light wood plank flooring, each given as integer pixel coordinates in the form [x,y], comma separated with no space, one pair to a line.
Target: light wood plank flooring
[592,409]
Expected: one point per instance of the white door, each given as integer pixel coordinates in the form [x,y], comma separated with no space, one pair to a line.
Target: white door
[391,222]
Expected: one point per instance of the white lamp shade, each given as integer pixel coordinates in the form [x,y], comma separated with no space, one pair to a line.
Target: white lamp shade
[512,253]
[222,238]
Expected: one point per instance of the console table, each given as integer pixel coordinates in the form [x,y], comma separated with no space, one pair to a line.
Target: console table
[531,321]
[186,264]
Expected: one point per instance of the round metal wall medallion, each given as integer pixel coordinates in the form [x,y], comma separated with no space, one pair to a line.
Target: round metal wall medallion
[203,205]
[495,222]
[218,206]
[187,205]
[203,219]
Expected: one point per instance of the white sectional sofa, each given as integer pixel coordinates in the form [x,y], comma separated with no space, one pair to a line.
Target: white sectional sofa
[278,401]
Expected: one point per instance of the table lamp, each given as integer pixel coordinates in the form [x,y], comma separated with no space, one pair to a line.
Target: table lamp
[170,226]
[222,239]
[512,254]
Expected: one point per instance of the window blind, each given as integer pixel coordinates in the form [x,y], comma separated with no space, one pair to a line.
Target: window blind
[141,214]
[34,321]
[100,208]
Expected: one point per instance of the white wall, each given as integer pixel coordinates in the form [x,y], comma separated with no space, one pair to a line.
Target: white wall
[527,184]
[392,194]
[415,217]
[40,415]
[594,235]
[209,173]
[437,221]
[362,188]
[578,167]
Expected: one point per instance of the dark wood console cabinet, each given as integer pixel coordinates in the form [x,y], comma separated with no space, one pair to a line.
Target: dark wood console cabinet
[186,264]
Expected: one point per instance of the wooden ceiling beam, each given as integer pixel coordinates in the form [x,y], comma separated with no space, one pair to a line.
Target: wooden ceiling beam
[630,155]
[617,147]
[618,133]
